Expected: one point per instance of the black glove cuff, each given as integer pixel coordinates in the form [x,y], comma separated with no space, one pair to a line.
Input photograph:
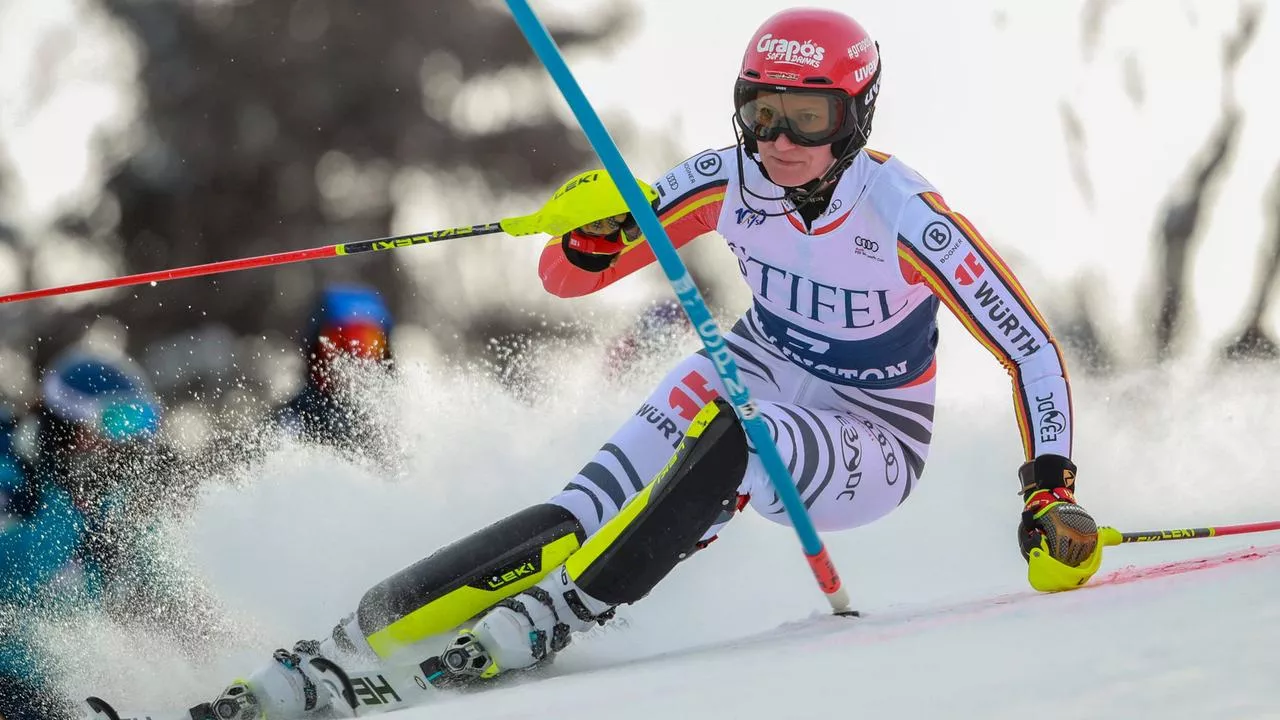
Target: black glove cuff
[1047,472]
[586,261]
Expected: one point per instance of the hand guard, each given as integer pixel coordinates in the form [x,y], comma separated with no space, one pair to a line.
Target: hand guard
[1051,519]
[596,246]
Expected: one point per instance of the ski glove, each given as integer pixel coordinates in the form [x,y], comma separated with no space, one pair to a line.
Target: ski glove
[595,247]
[1050,516]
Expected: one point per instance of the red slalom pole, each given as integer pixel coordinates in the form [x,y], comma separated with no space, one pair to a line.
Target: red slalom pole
[1114,537]
[377,245]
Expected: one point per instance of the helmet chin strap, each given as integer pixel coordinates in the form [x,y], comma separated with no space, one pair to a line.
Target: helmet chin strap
[809,192]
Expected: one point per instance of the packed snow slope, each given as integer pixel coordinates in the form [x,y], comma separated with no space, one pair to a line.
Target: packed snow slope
[738,631]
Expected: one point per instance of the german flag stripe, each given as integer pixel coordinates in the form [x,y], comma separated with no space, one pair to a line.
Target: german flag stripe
[710,194]
[938,205]
[666,208]
[686,206]
[876,155]
[933,278]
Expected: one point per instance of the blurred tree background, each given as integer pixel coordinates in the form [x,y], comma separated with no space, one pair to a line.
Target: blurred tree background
[1179,223]
[266,126]
[232,128]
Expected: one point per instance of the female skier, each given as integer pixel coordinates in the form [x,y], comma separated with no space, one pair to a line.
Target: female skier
[849,254]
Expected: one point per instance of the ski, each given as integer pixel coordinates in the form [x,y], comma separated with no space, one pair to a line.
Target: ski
[363,692]
[99,709]
[395,687]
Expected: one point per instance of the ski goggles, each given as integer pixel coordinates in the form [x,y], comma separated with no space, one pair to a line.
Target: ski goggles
[366,341]
[809,118]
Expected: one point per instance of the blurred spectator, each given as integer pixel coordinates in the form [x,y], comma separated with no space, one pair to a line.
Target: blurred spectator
[661,326]
[349,335]
[10,469]
[23,565]
[78,526]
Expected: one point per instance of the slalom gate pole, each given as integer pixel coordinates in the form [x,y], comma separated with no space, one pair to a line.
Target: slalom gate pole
[1111,536]
[695,307]
[283,258]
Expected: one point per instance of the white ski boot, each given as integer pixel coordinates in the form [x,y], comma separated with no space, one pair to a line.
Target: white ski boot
[287,688]
[291,685]
[521,631]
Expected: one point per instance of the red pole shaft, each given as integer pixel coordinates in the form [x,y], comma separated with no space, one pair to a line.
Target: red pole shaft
[1195,533]
[175,274]
[292,256]
[1246,528]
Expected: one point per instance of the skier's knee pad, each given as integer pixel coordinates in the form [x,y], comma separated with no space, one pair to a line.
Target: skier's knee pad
[663,523]
[462,580]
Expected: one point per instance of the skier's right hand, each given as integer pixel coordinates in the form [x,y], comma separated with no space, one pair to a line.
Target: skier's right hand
[1057,537]
[1051,519]
[595,247]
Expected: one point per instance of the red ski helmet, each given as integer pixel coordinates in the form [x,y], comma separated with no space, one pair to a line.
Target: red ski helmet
[820,61]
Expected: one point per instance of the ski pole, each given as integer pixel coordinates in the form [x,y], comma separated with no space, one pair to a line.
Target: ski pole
[593,199]
[1048,575]
[695,307]
[1110,536]
[281,258]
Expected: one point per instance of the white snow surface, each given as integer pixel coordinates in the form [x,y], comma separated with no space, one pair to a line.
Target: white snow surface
[951,629]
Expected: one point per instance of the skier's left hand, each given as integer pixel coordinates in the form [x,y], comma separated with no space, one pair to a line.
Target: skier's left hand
[596,246]
[1051,519]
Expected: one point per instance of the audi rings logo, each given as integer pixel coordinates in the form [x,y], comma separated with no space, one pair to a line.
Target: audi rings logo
[937,236]
[866,243]
[851,448]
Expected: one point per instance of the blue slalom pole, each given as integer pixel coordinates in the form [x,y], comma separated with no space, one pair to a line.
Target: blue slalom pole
[690,299]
